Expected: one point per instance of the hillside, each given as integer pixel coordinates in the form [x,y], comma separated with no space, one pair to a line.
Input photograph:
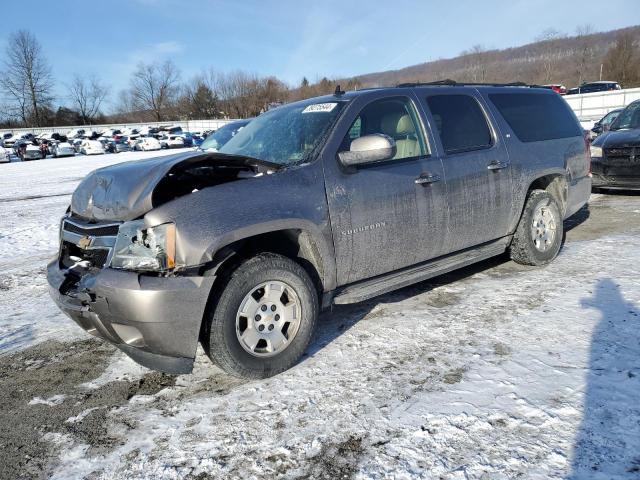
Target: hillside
[561,59]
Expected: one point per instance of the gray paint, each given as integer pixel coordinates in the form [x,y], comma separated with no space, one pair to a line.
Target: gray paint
[364,221]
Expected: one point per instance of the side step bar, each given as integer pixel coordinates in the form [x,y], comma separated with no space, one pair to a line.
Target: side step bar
[366,289]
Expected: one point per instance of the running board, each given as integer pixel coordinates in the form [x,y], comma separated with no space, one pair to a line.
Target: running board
[364,290]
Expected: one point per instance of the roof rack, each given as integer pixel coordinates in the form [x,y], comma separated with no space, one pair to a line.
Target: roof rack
[452,83]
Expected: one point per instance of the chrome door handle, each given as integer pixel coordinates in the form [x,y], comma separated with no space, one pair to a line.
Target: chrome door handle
[427,178]
[497,165]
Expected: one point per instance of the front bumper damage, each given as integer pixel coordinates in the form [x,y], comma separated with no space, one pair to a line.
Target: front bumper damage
[155,320]
[616,182]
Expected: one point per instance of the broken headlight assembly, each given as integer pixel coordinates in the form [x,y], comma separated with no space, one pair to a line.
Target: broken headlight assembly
[144,248]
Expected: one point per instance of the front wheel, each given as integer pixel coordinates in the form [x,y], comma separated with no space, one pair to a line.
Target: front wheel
[264,318]
[540,232]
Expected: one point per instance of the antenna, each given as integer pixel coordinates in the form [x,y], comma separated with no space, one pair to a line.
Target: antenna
[338,91]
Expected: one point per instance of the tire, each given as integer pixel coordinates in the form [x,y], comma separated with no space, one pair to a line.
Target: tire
[226,323]
[538,244]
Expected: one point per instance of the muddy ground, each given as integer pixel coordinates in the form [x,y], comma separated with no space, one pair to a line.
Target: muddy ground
[51,401]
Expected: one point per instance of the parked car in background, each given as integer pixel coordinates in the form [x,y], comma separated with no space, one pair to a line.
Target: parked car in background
[601,86]
[19,145]
[615,155]
[605,122]
[330,200]
[118,146]
[10,141]
[172,141]
[4,155]
[556,87]
[197,139]
[62,149]
[91,147]
[220,137]
[31,151]
[187,138]
[76,143]
[145,144]
[75,132]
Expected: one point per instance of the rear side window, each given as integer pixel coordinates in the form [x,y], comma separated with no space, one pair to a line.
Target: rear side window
[461,123]
[534,117]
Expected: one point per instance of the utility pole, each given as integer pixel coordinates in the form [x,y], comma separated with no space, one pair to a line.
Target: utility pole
[601,72]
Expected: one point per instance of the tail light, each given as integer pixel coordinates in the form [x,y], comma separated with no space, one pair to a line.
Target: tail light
[587,147]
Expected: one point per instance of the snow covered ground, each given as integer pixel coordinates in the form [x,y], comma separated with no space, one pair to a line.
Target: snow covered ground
[498,371]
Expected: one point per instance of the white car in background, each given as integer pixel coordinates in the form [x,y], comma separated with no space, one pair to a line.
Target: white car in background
[91,147]
[63,149]
[146,144]
[4,155]
[32,152]
[174,141]
[8,142]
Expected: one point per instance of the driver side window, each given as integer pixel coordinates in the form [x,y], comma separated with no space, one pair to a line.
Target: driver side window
[395,117]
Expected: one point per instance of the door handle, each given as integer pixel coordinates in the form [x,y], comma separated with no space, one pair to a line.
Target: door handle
[496,165]
[427,178]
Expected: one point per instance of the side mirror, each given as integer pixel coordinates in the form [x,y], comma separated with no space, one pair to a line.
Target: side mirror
[370,148]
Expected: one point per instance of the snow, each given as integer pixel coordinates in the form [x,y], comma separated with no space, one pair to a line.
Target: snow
[33,197]
[51,401]
[498,372]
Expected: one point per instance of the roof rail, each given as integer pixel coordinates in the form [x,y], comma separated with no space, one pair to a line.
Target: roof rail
[452,83]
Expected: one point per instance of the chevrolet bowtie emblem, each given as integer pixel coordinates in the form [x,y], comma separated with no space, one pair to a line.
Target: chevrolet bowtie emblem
[85,242]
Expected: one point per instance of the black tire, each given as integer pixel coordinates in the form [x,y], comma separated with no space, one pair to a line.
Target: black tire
[523,249]
[220,340]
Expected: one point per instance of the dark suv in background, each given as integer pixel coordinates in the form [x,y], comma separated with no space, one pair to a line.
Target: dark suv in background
[601,86]
[331,200]
[616,153]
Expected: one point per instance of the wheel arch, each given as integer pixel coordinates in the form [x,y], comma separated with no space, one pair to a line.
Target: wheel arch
[294,241]
[555,183]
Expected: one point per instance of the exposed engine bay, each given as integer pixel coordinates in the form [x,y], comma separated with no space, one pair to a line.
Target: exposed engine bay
[129,190]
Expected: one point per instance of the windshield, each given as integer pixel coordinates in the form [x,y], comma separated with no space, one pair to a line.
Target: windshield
[285,135]
[629,118]
[222,135]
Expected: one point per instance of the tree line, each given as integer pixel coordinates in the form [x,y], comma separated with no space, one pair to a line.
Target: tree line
[158,92]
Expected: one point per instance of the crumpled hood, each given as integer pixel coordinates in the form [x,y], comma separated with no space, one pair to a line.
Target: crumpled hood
[124,191]
[618,138]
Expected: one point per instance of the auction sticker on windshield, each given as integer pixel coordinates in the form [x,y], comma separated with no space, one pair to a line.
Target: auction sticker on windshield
[320,107]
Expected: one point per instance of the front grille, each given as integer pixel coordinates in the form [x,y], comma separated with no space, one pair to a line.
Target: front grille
[99,238]
[623,154]
[94,230]
[71,252]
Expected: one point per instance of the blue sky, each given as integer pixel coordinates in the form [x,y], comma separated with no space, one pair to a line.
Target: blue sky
[287,38]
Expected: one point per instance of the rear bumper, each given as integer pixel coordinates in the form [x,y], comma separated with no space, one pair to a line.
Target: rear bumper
[154,320]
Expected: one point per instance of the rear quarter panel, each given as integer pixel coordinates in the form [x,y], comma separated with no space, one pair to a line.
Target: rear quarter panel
[532,160]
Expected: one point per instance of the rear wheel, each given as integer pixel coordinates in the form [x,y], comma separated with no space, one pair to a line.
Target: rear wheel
[539,235]
[264,317]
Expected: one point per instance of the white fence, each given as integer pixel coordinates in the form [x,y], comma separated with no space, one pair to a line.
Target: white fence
[187,126]
[590,107]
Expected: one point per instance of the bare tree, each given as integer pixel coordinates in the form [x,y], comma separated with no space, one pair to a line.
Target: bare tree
[550,53]
[87,95]
[154,87]
[585,54]
[27,80]
[476,64]
[621,61]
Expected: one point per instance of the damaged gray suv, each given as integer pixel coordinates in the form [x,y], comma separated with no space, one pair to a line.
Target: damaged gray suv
[330,200]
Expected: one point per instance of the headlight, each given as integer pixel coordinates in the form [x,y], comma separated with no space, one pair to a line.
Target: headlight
[141,248]
[596,152]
